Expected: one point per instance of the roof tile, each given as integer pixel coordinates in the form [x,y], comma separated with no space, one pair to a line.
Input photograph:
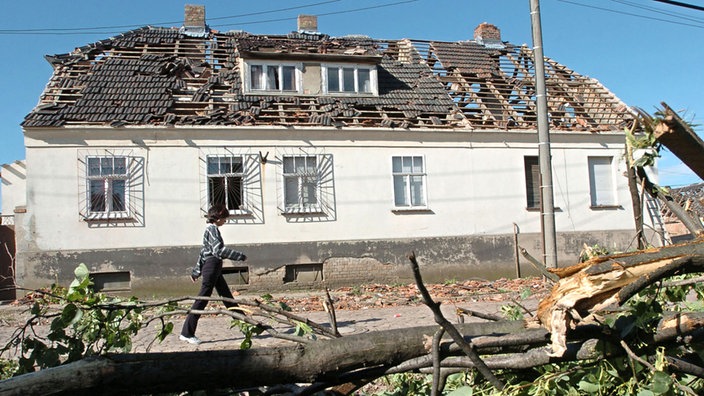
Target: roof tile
[162,77]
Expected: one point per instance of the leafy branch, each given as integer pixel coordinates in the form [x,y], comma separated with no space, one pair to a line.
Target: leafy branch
[85,323]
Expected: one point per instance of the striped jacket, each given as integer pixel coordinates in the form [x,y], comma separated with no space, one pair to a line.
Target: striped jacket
[213,246]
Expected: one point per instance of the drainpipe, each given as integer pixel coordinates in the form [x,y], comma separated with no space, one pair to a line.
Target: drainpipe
[547,206]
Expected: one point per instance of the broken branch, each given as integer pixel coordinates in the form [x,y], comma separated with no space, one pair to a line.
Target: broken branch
[450,329]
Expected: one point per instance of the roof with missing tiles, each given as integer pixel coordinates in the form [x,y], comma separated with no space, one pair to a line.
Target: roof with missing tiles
[162,76]
[690,197]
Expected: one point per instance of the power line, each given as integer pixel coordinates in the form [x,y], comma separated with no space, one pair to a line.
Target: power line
[632,14]
[74,30]
[323,14]
[659,11]
[680,4]
[94,30]
[277,10]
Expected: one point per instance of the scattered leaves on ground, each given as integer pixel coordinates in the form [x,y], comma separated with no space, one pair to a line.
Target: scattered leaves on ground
[382,295]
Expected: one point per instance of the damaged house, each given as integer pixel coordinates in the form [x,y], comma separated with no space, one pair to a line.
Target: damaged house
[337,156]
[691,199]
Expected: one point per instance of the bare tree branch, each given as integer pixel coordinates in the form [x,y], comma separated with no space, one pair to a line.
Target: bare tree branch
[451,330]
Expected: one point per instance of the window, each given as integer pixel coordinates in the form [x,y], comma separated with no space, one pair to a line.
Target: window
[304,273]
[306,188]
[111,281]
[301,183]
[273,77]
[107,184]
[601,186]
[236,275]
[232,176]
[409,181]
[226,182]
[111,188]
[349,79]
[532,173]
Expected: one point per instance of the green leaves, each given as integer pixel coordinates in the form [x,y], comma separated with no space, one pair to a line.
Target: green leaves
[71,314]
[88,323]
[407,384]
[461,391]
[7,368]
[269,299]
[248,330]
[512,312]
[80,287]
[165,330]
[589,384]
[660,383]
[303,329]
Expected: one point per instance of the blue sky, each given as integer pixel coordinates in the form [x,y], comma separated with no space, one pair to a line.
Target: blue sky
[644,51]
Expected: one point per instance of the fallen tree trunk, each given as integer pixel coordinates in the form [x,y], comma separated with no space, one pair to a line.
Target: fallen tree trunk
[505,345]
[179,371]
[681,139]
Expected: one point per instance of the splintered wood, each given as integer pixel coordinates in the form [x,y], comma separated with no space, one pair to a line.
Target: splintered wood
[587,288]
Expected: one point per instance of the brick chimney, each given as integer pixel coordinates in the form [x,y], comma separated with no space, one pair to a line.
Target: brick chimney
[307,23]
[195,16]
[194,21]
[487,32]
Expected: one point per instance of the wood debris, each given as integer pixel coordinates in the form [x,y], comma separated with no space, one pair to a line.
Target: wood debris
[585,289]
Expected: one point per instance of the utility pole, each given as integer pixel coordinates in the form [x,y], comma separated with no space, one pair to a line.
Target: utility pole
[547,206]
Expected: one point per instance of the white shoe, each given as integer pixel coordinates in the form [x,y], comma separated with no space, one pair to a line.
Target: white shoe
[191,340]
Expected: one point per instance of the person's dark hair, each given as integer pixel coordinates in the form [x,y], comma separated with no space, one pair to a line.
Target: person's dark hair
[217,212]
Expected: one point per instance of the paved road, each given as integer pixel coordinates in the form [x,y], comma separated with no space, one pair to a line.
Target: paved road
[215,331]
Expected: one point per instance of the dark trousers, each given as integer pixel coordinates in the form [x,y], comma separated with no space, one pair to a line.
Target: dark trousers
[212,279]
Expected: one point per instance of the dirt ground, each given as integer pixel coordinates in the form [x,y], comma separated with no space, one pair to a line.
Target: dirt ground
[358,310]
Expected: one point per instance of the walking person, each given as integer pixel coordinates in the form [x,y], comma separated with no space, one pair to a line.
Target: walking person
[209,265]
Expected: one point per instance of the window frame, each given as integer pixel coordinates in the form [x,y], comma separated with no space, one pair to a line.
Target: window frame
[302,205]
[242,208]
[251,210]
[408,186]
[108,180]
[530,162]
[373,79]
[267,65]
[598,186]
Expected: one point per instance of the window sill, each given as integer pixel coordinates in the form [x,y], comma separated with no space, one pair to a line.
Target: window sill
[352,94]
[97,217]
[241,213]
[412,210]
[271,93]
[556,209]
[302,211]
[605,207]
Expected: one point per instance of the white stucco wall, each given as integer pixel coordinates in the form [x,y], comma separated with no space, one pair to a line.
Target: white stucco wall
[13,186]
[475,184]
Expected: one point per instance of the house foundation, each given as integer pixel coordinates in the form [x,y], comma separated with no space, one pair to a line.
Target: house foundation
[164,271]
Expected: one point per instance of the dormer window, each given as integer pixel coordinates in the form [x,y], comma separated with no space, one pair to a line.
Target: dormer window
[349,79]
[274,77]
[270,77]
